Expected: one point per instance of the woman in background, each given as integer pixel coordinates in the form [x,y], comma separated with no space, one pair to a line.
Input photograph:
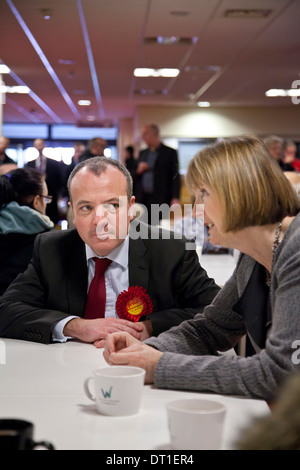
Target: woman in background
[249,205]
[23,199]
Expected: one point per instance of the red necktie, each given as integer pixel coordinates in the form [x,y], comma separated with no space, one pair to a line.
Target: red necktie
[96,300]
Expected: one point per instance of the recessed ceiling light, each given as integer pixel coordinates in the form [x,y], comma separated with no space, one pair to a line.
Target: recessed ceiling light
[84,102]
[170,40]
[203,104]
[147,72]
[275,92]
[279,92]
[46,13]
[15,89]
[4,68]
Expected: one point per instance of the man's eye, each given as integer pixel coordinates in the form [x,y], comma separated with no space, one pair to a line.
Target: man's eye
[111,207]
[85,208]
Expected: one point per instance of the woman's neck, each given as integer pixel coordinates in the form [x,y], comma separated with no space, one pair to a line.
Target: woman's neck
[258,241]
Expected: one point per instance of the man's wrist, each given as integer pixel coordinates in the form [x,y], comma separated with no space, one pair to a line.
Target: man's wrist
[72,327]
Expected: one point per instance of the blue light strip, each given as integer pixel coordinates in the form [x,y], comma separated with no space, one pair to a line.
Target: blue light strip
[37,99]
[22,110]
[43,59]
[90,59]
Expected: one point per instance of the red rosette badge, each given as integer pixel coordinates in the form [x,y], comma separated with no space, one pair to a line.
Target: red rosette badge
[133,303]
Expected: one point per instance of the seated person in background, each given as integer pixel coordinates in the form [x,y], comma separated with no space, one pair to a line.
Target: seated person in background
[23,198]
[248,205]
[50,301]
[289,160]
[275,146]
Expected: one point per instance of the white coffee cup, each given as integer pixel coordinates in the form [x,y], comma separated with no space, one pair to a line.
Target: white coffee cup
[118,390]
[196,424]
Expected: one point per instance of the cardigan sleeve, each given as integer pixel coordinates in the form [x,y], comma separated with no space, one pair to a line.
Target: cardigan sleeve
[190,360]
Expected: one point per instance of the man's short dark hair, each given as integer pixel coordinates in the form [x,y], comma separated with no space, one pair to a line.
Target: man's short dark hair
[97,166]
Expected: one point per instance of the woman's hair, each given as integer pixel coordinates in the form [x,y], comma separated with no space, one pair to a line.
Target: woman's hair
[248,182]
[20,185]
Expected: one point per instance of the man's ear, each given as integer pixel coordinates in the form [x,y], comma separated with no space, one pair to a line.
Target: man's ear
[130,209]
[72,213]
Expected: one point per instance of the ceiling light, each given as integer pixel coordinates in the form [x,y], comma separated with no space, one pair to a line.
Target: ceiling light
[4,68]
[203,104]
[170,40]
[46,13]
[275,92]
[84,102]
[15,89]
[147,72]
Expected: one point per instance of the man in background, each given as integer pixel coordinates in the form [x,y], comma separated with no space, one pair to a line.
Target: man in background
[96,147]
[4,158]
[54,177]
[157,176]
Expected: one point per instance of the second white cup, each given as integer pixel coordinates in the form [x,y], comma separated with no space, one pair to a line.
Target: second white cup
[118,390]
[196,424]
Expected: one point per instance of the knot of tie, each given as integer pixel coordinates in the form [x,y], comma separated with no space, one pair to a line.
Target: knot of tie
[101,264]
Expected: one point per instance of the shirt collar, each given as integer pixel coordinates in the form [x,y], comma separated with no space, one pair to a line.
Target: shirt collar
[119,255]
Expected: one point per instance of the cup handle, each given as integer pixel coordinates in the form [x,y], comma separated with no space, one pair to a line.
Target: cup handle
[45,444]
[87,389]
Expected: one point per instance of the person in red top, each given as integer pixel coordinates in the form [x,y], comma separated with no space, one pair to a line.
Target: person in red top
[289,155]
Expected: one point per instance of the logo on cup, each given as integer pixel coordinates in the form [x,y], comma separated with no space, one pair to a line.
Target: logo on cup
[106,394]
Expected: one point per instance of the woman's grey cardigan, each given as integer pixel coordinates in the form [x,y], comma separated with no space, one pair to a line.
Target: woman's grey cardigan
[191,361]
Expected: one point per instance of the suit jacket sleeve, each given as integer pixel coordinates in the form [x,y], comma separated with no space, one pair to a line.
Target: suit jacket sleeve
[39,298]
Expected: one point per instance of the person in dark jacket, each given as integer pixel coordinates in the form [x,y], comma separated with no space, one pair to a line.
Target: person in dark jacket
[4,158]
[23,200]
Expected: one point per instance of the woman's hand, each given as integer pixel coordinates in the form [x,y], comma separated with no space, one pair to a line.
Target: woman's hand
[122,349]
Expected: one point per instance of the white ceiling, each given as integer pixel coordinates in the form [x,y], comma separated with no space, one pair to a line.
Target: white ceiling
[227,61]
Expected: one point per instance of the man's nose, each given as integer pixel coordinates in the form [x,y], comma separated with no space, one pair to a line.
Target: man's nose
[100,215]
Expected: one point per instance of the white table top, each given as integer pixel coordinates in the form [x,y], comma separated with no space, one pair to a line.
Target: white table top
[44,384]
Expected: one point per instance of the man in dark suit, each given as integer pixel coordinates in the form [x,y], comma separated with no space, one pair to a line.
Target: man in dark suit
[157,176]
[47,302]
[53,172]
[4,158]
[95,148]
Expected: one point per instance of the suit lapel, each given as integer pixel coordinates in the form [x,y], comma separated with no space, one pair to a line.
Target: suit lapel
[77,277]
[138,264]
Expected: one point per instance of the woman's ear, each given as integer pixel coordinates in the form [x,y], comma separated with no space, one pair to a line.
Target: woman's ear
[36,202]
